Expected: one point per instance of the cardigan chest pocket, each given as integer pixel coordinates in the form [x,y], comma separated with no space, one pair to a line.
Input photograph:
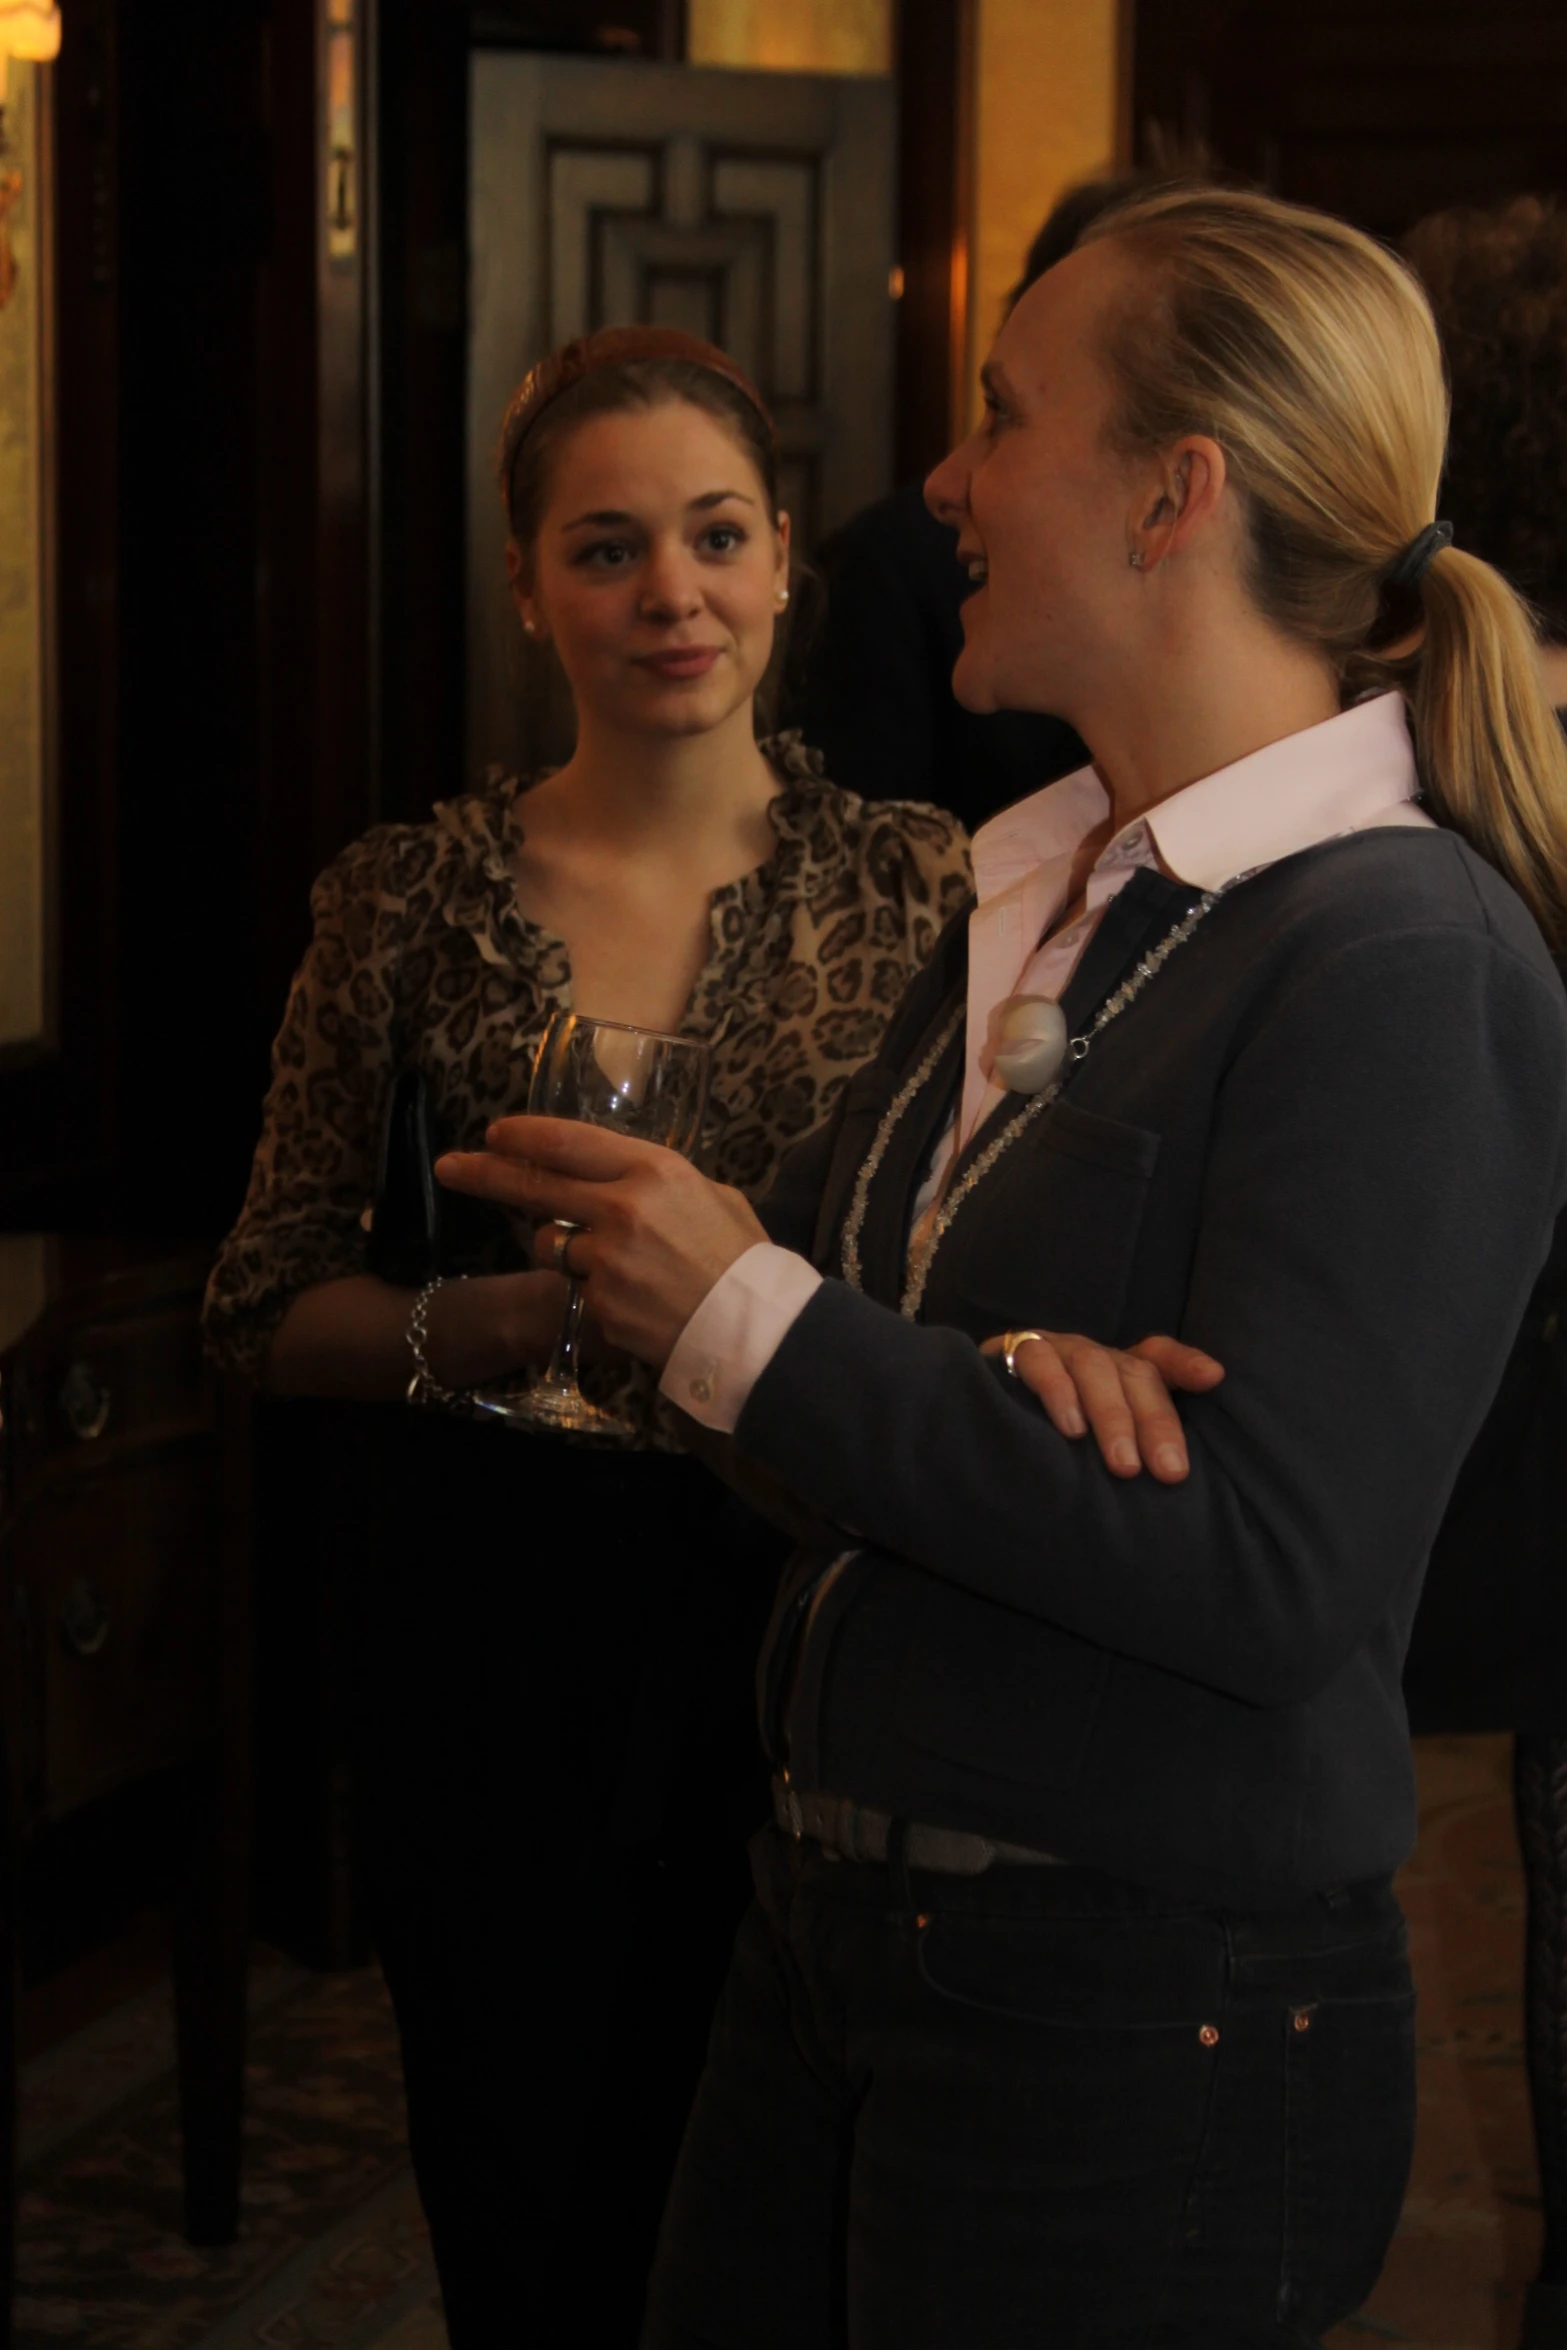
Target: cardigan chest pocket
[1049,1235]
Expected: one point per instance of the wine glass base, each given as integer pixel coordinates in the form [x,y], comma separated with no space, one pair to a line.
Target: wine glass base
[544,1405]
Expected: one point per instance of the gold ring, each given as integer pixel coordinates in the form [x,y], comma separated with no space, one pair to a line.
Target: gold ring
[1012,1341]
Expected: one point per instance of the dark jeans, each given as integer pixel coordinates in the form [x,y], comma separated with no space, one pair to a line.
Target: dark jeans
[1037,2106]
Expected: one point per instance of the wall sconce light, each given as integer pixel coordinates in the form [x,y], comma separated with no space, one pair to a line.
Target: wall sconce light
[29,30]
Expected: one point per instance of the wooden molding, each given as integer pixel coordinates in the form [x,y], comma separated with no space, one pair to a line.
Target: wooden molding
[935,69]
[1125,84]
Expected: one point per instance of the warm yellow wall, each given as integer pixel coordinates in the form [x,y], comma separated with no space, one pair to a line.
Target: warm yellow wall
[792,36]
[1045,115]
[21,612]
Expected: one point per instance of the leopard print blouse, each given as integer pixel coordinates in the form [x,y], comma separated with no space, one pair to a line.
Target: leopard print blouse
[421,952]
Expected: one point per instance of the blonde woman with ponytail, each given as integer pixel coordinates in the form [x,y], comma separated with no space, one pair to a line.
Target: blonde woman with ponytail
[1334,441]
[1074,2006]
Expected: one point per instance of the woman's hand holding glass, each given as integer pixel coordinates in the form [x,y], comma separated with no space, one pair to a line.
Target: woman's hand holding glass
[644,1230]
[1123,1395]
[650,1236]
[633,1085]
[611,1194]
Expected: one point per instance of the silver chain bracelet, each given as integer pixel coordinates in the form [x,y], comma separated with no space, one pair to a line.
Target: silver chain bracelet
[424,1388]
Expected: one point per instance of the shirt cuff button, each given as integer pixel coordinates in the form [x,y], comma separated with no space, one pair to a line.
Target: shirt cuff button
[701,1390]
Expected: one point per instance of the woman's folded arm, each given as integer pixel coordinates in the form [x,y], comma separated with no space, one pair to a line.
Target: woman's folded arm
[1385,1164]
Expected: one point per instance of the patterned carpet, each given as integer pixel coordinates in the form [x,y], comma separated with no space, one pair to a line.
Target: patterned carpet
[332,2249]
[1468,2242]
[333,2255]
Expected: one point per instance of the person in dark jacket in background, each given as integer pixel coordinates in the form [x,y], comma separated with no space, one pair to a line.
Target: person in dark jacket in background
[875,699]
[875,692]
[1074,2004]
[1489,1648]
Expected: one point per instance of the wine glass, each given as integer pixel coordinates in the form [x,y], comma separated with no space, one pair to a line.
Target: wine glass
[637,1081]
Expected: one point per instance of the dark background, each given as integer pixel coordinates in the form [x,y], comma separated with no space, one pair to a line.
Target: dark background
[260,496]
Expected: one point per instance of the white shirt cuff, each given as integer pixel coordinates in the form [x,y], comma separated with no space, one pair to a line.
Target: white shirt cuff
[735,1333]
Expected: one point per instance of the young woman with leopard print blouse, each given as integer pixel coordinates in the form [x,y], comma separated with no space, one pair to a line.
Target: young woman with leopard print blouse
[562,1762]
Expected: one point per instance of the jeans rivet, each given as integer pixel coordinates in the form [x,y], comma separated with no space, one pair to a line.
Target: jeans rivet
[1301,2020]
[923,1920]
[1208,2034]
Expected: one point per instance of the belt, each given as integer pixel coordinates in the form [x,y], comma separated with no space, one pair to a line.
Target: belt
[852,1831]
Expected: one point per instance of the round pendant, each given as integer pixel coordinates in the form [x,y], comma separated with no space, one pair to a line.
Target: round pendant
[1030,1042]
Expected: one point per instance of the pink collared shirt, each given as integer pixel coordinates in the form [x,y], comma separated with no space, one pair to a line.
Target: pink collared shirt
[1350,774]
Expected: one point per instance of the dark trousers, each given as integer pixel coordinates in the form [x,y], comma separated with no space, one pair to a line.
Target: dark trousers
[1037,2106]
[560,1771]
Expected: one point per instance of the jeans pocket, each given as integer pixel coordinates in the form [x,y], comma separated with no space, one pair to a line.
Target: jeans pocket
[1074,2059]
[1081,1972]
[1349,2121]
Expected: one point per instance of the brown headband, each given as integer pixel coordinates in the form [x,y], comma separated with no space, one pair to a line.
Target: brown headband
[611,346]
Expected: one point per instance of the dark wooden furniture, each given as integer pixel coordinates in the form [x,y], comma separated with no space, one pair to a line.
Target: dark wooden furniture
[125,1641]
[1379,109]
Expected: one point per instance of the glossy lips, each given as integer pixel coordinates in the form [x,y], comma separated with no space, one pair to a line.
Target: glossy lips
[681,662]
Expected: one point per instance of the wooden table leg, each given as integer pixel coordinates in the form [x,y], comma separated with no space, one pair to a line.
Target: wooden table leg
[212,1922]
[211,1950]
[9,1959]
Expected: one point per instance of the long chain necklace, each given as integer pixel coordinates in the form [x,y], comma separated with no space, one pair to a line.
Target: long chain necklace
[923,1256]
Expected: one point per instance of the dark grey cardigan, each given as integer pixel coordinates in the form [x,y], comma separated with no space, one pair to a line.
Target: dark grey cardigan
[1327,1144]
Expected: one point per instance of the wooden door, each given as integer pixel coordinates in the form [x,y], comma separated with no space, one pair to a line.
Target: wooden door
[756,209]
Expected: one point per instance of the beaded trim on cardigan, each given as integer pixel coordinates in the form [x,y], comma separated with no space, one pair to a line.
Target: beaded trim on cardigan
[922,1258]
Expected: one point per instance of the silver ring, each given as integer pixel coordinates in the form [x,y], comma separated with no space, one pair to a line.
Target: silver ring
[1013,1340]
[560,1248]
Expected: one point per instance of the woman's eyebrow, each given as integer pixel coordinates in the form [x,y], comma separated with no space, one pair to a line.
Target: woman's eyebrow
[610,517]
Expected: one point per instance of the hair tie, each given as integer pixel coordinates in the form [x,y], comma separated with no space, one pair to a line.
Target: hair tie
[1409,567]
[612,346]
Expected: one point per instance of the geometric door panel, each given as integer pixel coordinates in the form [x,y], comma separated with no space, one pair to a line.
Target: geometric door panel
[755,209]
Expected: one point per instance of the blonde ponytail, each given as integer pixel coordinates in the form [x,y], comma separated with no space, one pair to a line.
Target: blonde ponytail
[1308,352]
[1490,749]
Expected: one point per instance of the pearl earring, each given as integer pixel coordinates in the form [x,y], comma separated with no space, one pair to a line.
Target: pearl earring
[782,598]
[530,628]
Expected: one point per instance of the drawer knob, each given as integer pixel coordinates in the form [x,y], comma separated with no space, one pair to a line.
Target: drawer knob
[84,1618]
[84,1399]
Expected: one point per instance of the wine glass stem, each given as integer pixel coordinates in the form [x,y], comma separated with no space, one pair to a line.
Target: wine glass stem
[563,1362]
